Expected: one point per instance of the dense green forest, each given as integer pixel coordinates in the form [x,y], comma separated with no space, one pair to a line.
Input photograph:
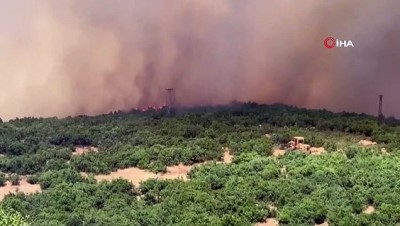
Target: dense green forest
[333,187]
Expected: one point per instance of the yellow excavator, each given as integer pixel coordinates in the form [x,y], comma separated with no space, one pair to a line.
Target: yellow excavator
[298,143]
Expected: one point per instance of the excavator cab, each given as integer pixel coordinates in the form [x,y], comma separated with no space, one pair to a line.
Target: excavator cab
[298,141]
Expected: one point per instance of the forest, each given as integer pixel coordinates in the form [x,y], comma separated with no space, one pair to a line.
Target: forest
[296,188]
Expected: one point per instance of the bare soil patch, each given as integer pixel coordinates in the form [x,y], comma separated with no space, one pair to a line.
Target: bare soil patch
[279,152]
[269,222]
[136,175]
[227,157]
[80,150]
[132,174]
[317,151]
[369,210]
[323,224]
[176,172]
[181,171]
[312,151]
[23,186]
[366,143]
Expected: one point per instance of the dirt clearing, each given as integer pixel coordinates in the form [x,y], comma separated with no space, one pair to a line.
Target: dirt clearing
[366,143]
[369,210]
[312,151]
[227,156]
[317,151]
[80,150]
[323,224]
[132,174]
[23,186]
[136,175]
[279,152]
[176,172]
[269,222]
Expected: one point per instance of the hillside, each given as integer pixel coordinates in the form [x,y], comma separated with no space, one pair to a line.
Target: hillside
[226,165]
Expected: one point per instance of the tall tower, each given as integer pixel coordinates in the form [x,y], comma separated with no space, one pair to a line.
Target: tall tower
[380,114]
[170,100]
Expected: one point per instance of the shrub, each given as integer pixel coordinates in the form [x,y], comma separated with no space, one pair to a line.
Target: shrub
[2,179]
[14,178]
[11,218]
[32,179]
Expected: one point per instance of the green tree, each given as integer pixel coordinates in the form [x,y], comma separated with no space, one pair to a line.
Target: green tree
[32,179]
[11,218]
[14,178]
[2,179]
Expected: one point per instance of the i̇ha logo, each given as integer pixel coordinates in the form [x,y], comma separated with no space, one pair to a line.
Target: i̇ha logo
[331,42]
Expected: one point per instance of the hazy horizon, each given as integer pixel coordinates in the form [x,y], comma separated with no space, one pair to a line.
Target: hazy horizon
[91,57]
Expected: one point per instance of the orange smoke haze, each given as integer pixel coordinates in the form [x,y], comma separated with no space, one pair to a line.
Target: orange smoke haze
[70,57]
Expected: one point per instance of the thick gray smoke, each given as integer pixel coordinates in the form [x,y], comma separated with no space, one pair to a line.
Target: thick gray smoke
[87,57]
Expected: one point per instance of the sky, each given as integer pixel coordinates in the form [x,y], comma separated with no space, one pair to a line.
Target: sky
[71,57]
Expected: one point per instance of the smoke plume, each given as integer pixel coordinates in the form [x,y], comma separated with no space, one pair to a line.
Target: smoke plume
[88,57]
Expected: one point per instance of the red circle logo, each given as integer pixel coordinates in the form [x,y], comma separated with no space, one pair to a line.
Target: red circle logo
[329,42]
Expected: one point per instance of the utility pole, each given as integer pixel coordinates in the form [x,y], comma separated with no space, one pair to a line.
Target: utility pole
[380,114]
[170,100]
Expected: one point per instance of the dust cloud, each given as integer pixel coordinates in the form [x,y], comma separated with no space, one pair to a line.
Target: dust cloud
[70,57]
